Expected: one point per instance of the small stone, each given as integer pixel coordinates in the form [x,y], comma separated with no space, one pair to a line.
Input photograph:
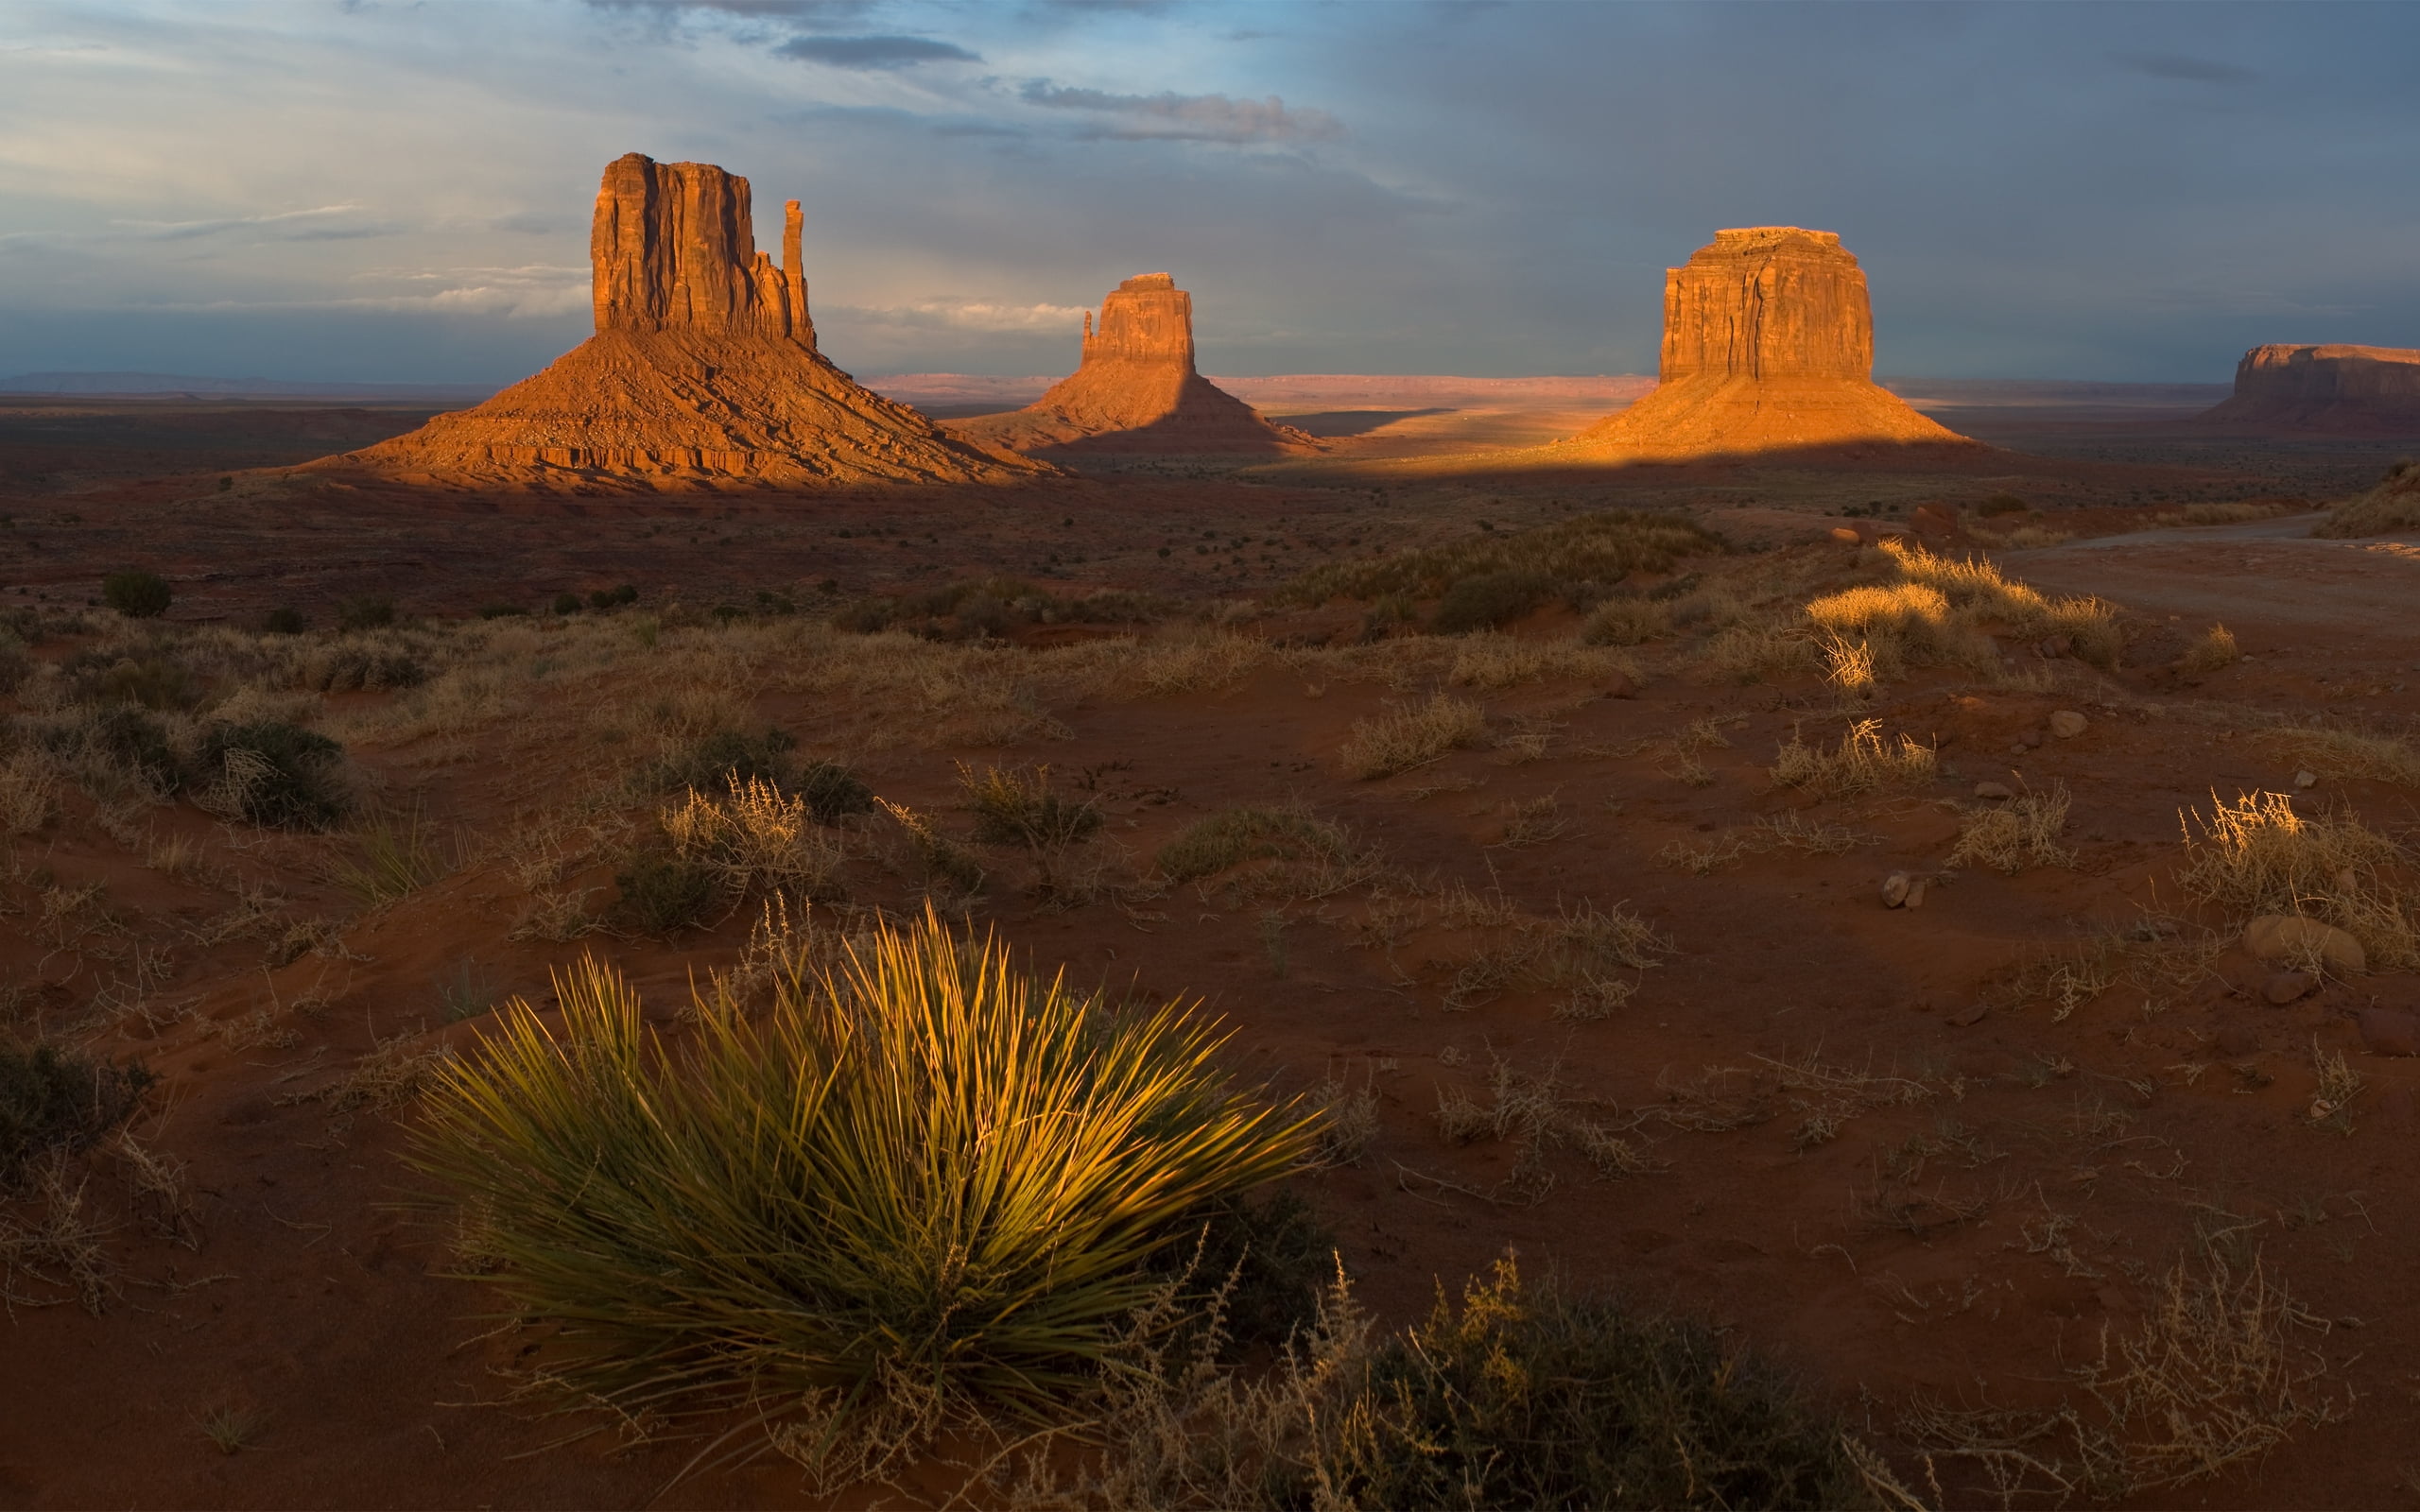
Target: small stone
[2306,780]
[2288,987]
[1968,1016]
[1620,684]
[2291,938]
[2067,724]
[1844,535]
[1916,891]
[2057,646]
[2030,739]
[1994,790]
[2390,1032]
[1894,890]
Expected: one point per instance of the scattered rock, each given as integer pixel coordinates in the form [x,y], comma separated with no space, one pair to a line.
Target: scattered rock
[2289,937]
[2288,987]
[1894,890]
[1968,1017]
[1933,519]
[1994,790]
[2067,724]
[1621,685]
[2390,1032]
[2236,1041]
[2056,646]
[2030,739]
[1916,892]
[2306,780]
[1845,536]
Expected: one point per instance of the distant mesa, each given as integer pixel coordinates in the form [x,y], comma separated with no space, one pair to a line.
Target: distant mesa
[1767,346]
[702,372]
[1138,391]
[2331,391]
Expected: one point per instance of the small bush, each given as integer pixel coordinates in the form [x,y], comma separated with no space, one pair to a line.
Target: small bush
[566,603]
[1278,1253]
[2348,753]
[2215,649]
[1018,806]
[833,791]
[273,774]
[124,739]
[2394,504]
[137,594]
[725,756]
[51,1098]
[1233,837]
[756,837]
[2021,833]
[502,611]
[2256,855]
[1600,549]
[366,611]
[1627,620]
[779,1215]
[1412,737]
[1998,504]
[1488,600]
[153,680]
[1862,763]
[283,620]
[664,892]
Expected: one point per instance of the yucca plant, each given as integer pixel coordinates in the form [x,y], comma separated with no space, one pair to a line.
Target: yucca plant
[921,1183]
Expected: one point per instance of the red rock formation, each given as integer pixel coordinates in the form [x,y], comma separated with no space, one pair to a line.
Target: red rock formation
[1767,346]
[1137,389]
[702,372]
[2335,390]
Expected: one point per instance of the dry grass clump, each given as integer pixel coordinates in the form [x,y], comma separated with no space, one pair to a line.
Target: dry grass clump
[1601,549]
[2394,504]
[2347,754]
[1864,762]
[2213,649]
[1164,667]
[2223,1369]
[1979,595]
[1286,852]
[28,788]
[1516,1396]
[1754,652]
[1578,953]
[1491,660]
[2256,855]
[2011,837]
[757,838]
[916,1186]
[1398,742]
[1627,620]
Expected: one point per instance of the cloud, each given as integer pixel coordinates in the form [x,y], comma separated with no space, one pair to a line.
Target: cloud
[874,52]
[952,312]
[1189,117]
[2190,69]
[312,225]
[801,9]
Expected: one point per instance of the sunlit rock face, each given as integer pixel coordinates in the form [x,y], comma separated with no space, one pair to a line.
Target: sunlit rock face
[1137,389]
[1767,346]
[2324,391]
[703,371]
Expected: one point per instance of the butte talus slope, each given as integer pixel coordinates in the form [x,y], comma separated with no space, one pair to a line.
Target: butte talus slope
[1768,347]
[1137,391]
[2324,391]
[702,373]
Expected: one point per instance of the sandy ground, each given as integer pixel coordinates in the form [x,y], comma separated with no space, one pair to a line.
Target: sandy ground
[1866,1153]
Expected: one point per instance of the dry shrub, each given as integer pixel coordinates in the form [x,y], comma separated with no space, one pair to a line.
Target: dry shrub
[757,838]
[1758,653]
[945,864]
[1289,852]
[1493,661]
[1578,952]
[27,786]
[2011,837]
[2221,1371]
[53,1240]
[1534,1113]
[2348,754]
[1979,595]
[1398,742]
[2256,855]
[1601,549]
[2394,504]
[1863,762]
[1627,620]
[1348,1121]
[2215,649]
[1163,666]
[1782,831]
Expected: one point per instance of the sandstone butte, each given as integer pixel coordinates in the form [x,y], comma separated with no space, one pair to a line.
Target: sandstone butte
[703,373]
[2324,390]
[1767,346]
[1137,391]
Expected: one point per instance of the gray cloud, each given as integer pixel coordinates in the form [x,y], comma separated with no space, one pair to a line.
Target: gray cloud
[1189,117]
[838,11]
[874,52]
[2190,70]
[314,225]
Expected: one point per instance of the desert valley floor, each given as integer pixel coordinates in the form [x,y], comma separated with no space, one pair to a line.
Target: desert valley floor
[1577,920]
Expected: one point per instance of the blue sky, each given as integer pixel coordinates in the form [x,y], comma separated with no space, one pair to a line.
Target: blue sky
[376,191]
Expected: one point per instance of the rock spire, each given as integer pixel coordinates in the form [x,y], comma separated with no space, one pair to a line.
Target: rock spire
[1767,346]
[703,371]
[1137,389]
[2342,391]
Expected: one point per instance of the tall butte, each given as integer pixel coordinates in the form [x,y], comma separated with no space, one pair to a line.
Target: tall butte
[2333,390]
[703,371]
[1137,389]
[1767,346]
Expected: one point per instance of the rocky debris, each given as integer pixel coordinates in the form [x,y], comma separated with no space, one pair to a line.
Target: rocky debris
[1767,346]
[2291,938]
[2305,780]
[1620,684]
[2288,987]
[2390,1032]
[1902,889]
[2056,646]
[1994,790]
[1933,519]
[1137,390]
[2342,391]
[703,373]
[2066,724]
[1968,1016]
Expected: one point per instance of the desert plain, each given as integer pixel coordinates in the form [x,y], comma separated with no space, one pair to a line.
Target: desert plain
[1927,903]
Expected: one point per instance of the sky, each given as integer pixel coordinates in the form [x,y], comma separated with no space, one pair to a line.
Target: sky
[368,191]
